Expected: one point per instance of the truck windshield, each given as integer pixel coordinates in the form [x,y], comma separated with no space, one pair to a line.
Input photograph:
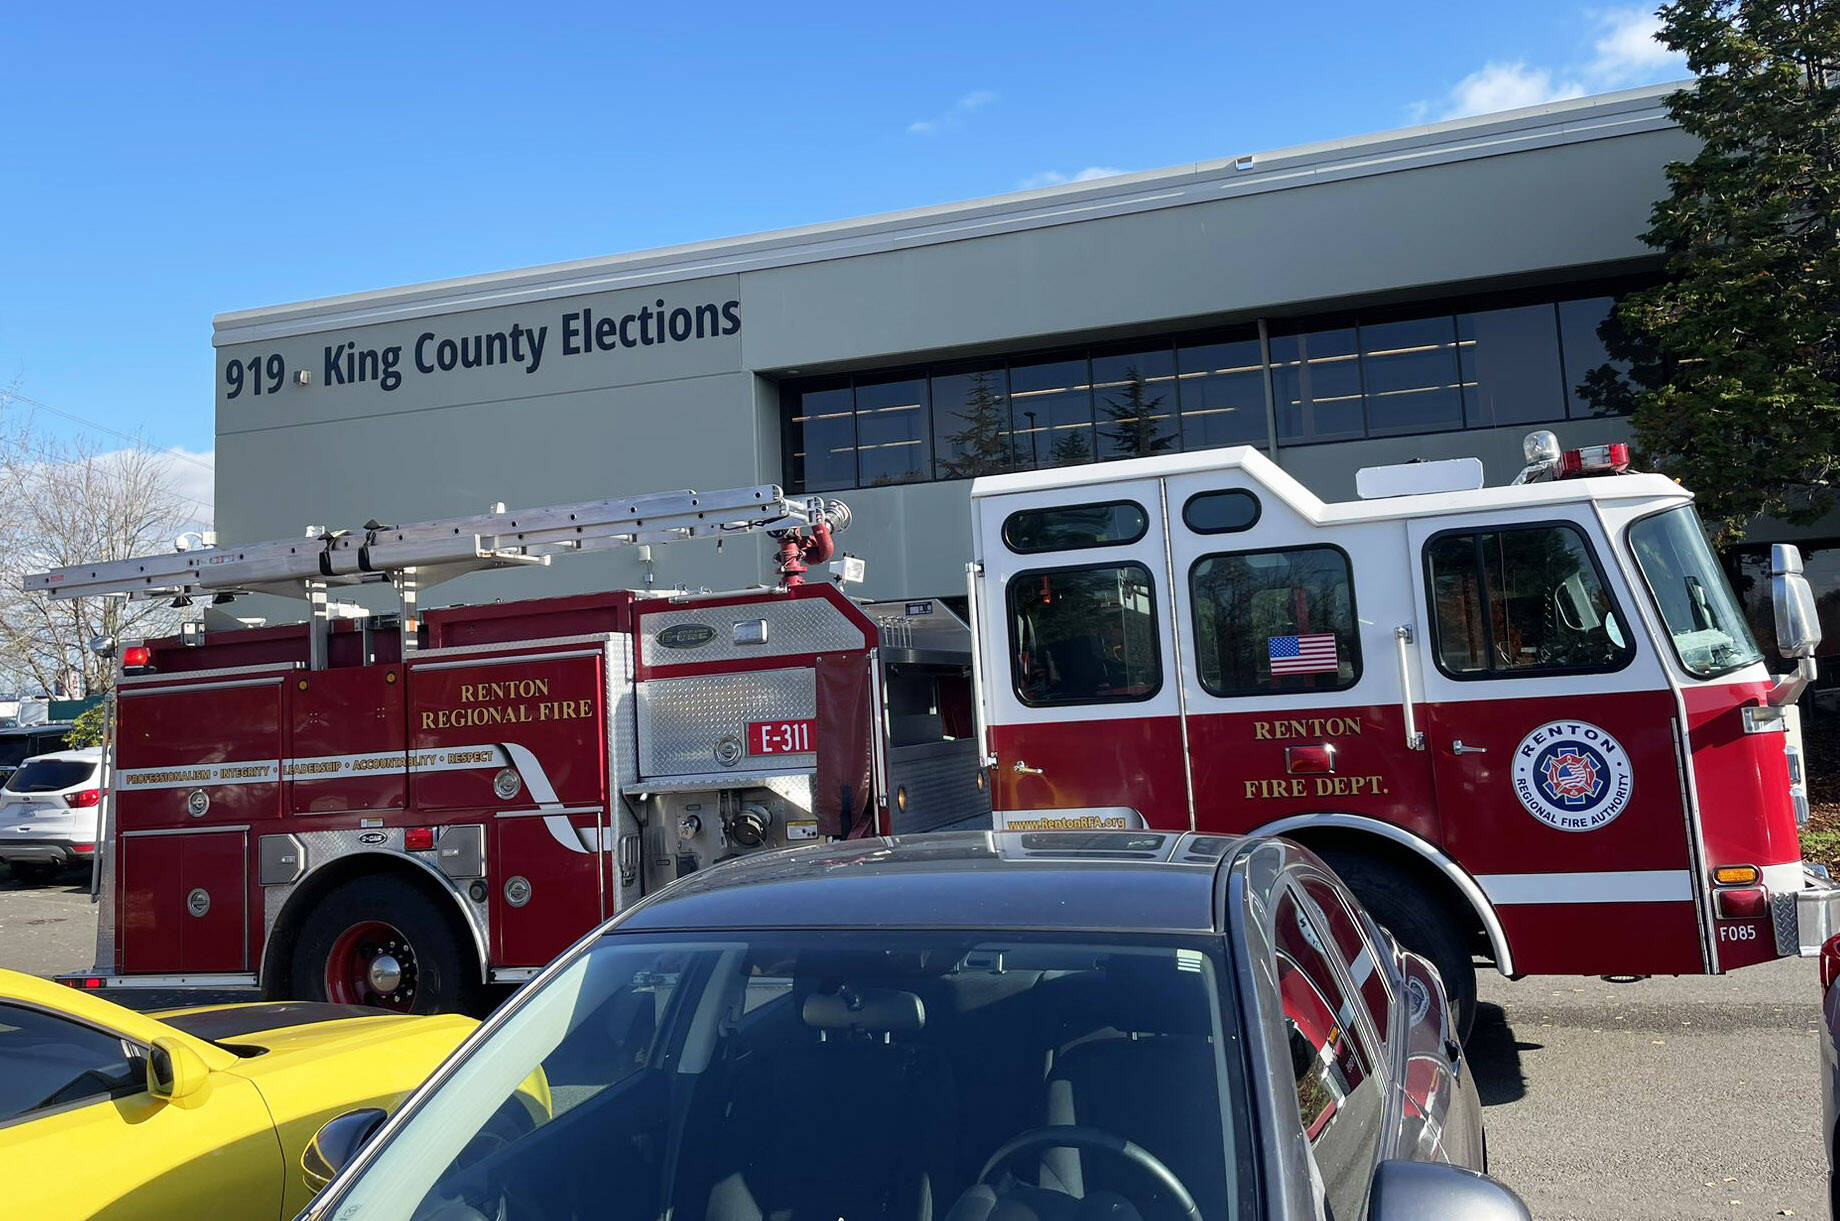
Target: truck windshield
[878,1076]
[1696,602]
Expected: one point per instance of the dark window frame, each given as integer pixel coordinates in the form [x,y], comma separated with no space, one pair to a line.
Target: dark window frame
[1143,527]
[1492,674]
[1258,511]
[1354,617]
[1009,618]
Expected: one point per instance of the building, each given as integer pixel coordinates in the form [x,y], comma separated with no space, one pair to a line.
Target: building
[1430,292]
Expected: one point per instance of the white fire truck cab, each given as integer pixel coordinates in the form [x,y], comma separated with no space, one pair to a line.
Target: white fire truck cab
[1528,721]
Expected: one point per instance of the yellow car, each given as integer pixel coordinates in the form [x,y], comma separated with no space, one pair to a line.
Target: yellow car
[203,1112]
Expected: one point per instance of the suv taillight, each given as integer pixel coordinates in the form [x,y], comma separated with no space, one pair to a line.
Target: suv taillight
[86,798]
[1830,962]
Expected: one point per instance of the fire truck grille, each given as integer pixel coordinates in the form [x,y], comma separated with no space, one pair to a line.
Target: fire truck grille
[683,720]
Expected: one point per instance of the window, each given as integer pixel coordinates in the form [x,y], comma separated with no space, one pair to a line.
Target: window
[1084,635]
[1268,622]
[891,431]
[1523,600]
[1506,359]
[971,426]
[1584,348]
[1510,365]
[54,1062]
[1071,527]
[1051,404]
[823,439]
[1136,397]
[1316,380]
[1409,374]
[1226,512]
[1702,616]
[49,775]
[1339,1094]
[1222,391]
[922,1051]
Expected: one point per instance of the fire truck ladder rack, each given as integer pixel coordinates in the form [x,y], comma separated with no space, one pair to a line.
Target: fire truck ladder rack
[416,557]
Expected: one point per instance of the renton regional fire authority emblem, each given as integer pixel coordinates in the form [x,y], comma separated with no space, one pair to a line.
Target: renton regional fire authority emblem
[1572,776]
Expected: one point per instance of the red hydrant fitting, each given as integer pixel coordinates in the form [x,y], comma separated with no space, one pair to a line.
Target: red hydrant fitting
[797,552]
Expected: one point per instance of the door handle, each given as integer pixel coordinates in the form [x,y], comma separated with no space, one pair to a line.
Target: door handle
[1023,769]
[1457,748]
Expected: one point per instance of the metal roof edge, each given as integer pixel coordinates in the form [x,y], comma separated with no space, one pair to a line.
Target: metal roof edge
[1575,120]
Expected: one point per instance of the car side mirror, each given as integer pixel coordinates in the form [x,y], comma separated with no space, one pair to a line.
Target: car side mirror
[1410,1191]
[1798,627]
[336,1143]
[174,1071]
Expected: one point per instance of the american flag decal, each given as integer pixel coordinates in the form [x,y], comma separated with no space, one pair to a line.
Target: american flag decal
[1311,654]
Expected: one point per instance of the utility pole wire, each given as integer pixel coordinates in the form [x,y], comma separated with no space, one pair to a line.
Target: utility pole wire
[10,396]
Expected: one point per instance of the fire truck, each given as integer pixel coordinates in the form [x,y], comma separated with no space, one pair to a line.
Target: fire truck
[1527,722]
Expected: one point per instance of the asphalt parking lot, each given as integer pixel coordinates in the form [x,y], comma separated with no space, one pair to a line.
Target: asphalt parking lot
[1665,1098]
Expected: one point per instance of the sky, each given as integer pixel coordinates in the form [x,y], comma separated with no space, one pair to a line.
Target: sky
[166,163]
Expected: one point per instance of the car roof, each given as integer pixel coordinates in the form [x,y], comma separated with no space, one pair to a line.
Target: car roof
[18,731]
[82,754]
[1115,880]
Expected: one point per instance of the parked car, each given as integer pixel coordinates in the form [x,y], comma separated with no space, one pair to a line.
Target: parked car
[1830,1064]
[200,1112]
[19,743]
[963,1025]
[48,813]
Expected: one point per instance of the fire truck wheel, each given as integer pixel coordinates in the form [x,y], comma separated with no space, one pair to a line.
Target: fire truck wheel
[1423,923]
[380,941]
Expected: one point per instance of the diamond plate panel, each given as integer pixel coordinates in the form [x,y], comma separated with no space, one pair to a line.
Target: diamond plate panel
[622,729]
[682,719]
[1785,918]
[325,846]
[807,625]
[941,783]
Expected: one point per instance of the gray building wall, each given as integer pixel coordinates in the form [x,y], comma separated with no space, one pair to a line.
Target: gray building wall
[1552,193]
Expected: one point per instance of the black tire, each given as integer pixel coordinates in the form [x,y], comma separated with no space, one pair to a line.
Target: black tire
[35,873]
[440,972]
[1422,920]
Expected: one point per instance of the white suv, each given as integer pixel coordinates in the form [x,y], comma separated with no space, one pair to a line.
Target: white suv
[48,813]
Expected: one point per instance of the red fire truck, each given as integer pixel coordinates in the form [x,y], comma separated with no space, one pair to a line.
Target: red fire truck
[1526,722]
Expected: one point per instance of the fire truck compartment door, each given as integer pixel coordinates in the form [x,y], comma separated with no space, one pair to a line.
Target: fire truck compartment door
[184,901]
[348,750]
[551,887]
[508,732]
[1550,724]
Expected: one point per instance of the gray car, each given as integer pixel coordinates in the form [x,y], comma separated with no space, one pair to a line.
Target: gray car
[1054,1026]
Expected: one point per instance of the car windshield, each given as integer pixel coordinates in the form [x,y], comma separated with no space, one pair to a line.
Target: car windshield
[813,1076]
[1702,614]
[49,775]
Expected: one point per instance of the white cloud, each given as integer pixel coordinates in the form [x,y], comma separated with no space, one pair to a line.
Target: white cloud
[1628,53]
[1054,178]
[193,474]
[955,114]
[1622,52]
[1498,86]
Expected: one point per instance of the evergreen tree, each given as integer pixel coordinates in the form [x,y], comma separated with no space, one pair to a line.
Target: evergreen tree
[1134,431]
[1071,448]
[982,446]
[1735,359]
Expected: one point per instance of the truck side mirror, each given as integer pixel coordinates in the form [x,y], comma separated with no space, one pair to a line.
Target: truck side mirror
[1410,1191]
[335,1144]
[1798,627]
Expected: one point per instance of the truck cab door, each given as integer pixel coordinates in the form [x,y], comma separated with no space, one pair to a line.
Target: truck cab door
[1077,665]
[1552,731]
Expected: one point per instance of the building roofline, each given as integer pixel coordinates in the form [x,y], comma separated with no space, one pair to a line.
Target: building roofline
[1572,121]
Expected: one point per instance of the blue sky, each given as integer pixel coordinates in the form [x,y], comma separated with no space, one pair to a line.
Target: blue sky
[166,164]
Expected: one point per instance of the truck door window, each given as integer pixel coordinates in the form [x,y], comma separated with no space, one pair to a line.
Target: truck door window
[1523,600]
[1084,635]
[1702,614]
[1269,622]
[1072,527]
